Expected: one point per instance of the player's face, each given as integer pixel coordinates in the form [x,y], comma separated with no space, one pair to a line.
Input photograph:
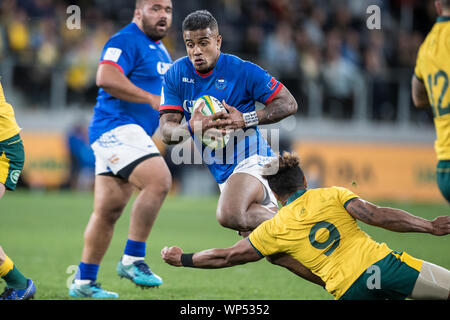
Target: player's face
[203,48]
[156,18]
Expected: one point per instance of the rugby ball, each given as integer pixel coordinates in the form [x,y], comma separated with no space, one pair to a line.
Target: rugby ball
[211,106]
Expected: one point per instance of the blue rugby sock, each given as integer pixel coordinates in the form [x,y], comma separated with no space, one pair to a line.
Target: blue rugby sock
[135,248]
[87,271]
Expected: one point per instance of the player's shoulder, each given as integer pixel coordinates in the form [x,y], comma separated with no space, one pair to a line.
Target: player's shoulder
[127,35]
[330,191]
[237,62]
[181,65]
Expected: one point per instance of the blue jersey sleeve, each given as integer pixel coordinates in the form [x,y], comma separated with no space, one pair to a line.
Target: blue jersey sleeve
[260,84]
[120,52]
[170,97]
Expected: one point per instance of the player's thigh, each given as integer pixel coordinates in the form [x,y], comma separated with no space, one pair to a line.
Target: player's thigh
[152,172]
[443,178]
[433,283]
[240,191]
[111,195]
[2,190]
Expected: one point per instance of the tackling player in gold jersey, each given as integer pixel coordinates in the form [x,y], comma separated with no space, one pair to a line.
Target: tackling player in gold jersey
[11,163]
[318,228]
[431,87]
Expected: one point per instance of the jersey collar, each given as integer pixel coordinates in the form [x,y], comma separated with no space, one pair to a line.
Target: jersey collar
[443,19]
[295,196]
[217,66]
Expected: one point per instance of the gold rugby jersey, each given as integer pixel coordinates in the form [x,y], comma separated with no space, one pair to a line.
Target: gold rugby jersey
[316,229]
[8,124]
[433,69]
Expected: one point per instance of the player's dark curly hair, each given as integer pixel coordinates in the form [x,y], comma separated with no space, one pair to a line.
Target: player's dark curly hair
[289,178]
[199,20]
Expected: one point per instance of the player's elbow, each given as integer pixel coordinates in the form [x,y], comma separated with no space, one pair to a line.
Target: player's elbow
[419,102]
[101,82]
[292,107]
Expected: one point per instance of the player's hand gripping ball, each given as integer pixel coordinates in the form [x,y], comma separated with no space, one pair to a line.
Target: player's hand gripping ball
[211,138]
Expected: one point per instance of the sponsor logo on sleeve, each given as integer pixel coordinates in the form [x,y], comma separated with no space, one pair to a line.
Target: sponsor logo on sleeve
[112,54]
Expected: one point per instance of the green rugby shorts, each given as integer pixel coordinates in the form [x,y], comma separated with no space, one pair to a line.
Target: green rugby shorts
[12,159]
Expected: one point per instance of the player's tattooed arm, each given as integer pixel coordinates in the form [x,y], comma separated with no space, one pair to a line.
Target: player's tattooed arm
[282,106]
[396,219]
[172,131]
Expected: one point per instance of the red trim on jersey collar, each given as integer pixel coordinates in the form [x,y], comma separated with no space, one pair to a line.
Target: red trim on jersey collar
[113,64]
[274,94]
[204,75]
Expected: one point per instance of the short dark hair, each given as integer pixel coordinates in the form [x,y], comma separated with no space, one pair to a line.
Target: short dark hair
[199,20]
[289,177]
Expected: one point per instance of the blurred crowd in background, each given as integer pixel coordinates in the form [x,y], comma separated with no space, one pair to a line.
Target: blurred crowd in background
[297,41]
[305,44]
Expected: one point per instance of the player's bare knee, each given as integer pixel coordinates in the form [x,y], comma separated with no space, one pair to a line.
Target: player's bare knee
[232,218]
[110,214]
[160,188]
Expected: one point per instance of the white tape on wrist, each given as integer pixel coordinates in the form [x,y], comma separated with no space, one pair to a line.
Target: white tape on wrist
[250,119]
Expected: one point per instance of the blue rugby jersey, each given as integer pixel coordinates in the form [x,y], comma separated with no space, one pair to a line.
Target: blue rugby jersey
[240,83]
[144,62]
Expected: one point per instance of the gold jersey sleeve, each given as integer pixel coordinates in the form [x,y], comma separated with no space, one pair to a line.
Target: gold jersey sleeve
[8,124]
[433,69]
[317,230]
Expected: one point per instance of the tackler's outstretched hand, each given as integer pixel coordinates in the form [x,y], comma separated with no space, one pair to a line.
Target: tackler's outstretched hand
[172,256]
[441,226]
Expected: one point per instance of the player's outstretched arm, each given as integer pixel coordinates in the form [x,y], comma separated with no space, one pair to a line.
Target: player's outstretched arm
[395,219]
[242,252]
[113,81]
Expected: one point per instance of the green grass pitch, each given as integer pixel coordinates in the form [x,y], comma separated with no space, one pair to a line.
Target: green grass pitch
[43,234]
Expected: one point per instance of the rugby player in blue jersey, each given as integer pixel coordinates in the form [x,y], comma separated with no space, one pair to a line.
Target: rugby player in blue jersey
[132,66]
[246,199]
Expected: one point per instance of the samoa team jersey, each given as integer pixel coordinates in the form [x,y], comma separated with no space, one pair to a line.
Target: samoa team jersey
[433,69]
[144,62]
[240,83]
[315,228]
[8,124]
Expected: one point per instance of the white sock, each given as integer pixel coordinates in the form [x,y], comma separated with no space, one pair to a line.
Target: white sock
[127,260]
[79,282]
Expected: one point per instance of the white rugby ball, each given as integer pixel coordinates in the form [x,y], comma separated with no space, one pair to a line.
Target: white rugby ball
[211,106]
